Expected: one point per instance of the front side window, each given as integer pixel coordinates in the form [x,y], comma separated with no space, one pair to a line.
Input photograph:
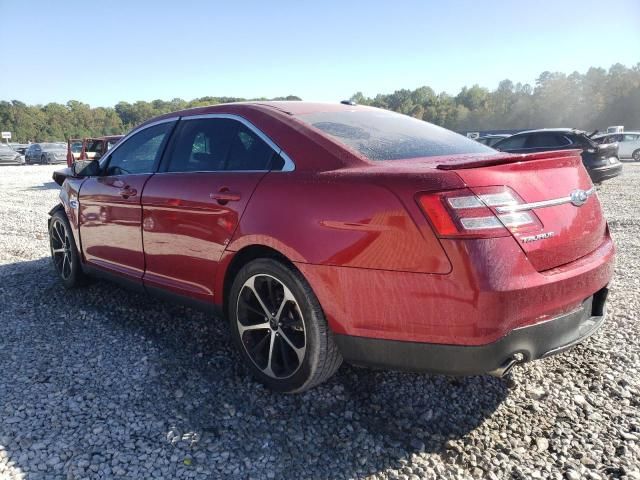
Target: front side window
[141,152]
[629,137]
[220,144]
[384,135]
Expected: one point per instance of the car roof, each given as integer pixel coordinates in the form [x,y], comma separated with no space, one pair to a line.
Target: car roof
[288,107]
[557,130]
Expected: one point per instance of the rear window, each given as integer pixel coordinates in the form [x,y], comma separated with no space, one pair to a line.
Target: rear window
[384,135]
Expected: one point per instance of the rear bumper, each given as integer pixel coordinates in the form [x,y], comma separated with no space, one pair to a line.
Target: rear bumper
[524,344]
[601,174]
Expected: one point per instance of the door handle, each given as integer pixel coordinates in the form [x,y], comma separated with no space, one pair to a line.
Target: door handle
[224,196]
[127,192]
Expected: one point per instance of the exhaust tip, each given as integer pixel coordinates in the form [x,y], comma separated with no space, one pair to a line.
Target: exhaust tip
[504,369]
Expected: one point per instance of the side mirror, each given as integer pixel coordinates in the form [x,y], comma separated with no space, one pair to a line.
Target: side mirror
[86,168]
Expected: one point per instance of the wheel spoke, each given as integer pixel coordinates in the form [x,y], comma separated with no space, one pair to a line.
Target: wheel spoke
[288,297]
[258,326]
[66,263]
[269,370]
[298,351]
[58,250]
[252,287]
[55,234]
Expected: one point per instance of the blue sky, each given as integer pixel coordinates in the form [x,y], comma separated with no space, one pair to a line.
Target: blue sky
[103,52]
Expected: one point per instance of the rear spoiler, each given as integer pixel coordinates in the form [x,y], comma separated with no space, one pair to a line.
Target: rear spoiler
[501,159]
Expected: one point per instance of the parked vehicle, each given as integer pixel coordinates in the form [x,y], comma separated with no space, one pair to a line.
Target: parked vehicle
[9,156]
[46,153]
[491,140]
[329,232]
[21,148]
[90,148]
[628,143]
[601,161]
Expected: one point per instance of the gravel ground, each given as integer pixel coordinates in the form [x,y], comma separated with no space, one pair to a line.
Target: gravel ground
[104,383]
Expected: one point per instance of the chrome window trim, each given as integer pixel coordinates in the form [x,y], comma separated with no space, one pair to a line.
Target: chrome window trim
[289,165]
[131,134]
[544,203]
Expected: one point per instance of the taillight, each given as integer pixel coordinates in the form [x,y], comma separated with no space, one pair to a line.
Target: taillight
[471,213]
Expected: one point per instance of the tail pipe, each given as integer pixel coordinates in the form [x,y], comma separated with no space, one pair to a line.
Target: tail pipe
[504,369]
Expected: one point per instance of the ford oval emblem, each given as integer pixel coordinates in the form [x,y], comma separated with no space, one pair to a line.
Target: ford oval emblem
[579,197]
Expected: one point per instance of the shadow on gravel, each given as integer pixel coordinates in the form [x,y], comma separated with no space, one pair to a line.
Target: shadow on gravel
[45,186]
[155,376]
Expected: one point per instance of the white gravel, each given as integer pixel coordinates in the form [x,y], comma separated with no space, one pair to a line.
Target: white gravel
[104,383]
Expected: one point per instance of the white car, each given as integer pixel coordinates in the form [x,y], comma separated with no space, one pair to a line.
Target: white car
[628,143]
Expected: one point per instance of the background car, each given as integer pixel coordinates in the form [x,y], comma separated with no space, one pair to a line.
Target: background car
[628,143]
[46,153]
[601,161]
[90,148]
[9,156]
[329,231]
[491,140]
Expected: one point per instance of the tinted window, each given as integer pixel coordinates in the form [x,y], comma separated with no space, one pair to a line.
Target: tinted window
[384,135]
[512,143]
[547,140]
[629,137]
[217,144]
[141,152]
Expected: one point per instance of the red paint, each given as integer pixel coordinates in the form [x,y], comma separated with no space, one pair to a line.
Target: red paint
[358,233]
[187,226]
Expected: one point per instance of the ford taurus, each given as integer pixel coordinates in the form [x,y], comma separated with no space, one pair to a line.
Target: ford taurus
[327,232]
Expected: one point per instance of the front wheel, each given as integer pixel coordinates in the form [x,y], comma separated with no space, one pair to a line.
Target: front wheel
[636,155]
[279,328]
[64,253]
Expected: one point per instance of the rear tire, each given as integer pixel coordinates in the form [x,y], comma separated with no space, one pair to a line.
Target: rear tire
[279,327]
[636,155]
[64,253]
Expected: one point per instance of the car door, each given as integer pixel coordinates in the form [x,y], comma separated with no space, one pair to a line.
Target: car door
[110,207]
[192,207]
[36,152]
[628,143]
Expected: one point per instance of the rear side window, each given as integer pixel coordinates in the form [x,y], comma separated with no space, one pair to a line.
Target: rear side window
[220,144]
[547,140]
[383,135]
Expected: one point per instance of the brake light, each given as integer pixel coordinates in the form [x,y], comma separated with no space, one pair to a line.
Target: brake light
[467,213]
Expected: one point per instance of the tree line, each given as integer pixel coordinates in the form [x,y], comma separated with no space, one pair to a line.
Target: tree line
[591,100]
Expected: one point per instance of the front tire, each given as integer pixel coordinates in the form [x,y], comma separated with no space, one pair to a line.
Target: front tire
[279,327]
[43,160]
[636,155]
[64,253]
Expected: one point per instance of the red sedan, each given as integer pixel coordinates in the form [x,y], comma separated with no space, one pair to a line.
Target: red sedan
[329,232]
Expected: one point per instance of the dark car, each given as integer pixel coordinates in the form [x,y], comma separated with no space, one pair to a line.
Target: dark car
[492,139]
[329,232]
[46,153]
[601,161]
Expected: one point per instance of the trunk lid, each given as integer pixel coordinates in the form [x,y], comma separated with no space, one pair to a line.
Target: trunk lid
[569,231]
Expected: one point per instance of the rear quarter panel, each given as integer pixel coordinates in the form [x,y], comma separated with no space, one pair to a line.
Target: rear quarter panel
[341,219]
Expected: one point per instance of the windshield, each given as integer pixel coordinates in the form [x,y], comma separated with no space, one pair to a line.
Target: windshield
[384,135]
